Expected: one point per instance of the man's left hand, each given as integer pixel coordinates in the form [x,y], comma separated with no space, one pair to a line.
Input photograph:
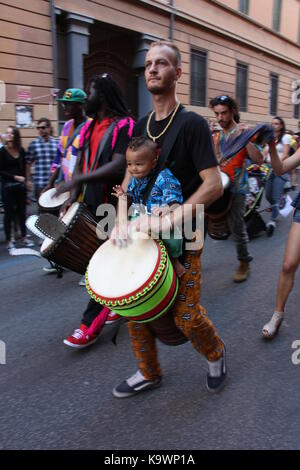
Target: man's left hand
[64,187]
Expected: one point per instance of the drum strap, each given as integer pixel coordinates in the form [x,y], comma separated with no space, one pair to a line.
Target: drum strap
[166,148]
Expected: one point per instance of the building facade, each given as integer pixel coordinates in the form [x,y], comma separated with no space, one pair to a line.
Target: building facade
[249,49]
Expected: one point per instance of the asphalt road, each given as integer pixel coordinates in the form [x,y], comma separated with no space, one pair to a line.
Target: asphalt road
[53,397]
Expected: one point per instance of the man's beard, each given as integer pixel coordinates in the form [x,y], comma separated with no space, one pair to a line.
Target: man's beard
[159,88]
[93,106]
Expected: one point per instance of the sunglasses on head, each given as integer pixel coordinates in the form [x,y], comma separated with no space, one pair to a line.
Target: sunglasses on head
[42,127]
[222,98]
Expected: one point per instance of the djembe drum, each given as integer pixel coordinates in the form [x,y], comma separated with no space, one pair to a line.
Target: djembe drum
[137,282]
[50,203]
[74,248]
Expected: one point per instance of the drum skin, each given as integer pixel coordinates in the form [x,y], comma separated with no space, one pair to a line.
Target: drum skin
[76,246]
[50,205]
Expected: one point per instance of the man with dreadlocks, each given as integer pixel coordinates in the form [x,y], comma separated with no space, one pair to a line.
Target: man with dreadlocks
[102,142]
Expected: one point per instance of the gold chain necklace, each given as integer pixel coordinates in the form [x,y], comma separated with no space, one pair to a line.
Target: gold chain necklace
[154,138]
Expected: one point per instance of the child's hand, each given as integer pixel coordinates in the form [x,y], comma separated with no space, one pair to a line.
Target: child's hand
[118,191]
[160,211]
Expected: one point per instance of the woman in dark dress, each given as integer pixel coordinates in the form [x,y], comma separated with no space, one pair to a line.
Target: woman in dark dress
[12,172]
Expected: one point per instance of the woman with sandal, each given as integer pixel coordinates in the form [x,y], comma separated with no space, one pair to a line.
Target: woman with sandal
[291,258]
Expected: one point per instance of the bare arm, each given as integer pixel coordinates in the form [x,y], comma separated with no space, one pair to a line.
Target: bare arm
[286,152]
[283,166]
[255,155]
[210,190]
[110,171]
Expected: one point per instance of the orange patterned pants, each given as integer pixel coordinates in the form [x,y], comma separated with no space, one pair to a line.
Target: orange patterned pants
[189,317]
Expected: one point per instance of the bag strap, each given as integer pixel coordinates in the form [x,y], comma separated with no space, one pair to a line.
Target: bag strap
[166,148]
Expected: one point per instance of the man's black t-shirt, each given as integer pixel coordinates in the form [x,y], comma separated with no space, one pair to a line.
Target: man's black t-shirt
[192,152]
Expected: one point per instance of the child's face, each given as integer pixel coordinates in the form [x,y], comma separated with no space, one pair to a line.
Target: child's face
[140,162]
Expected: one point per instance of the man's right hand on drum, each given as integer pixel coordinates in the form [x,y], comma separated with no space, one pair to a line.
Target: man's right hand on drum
[66,205]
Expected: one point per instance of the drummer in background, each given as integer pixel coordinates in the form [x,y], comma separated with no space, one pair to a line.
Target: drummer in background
[97,174]
[73,102]
[193,162]
[141,158]
[227,115]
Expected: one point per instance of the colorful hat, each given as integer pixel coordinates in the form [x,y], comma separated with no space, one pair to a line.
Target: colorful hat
[73,95]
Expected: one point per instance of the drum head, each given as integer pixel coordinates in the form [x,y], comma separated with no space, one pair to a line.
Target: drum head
[114,272]
[225,180]
[47,200]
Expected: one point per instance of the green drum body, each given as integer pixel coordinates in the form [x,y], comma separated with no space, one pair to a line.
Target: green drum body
[137,282]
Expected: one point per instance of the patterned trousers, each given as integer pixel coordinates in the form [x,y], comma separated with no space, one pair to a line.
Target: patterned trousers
[189,317]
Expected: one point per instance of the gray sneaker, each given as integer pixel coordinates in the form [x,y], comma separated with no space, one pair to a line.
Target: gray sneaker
[217,373]
[50,268]
[135,384]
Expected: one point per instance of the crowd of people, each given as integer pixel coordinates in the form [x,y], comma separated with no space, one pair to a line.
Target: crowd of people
[170,157]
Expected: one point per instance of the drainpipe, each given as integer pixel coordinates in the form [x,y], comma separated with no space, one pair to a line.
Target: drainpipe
[54,44]
[171,35]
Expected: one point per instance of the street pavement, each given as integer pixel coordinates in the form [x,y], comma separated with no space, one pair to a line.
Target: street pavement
[53,397]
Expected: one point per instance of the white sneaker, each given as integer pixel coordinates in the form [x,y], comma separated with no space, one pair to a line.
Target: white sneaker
[271,329]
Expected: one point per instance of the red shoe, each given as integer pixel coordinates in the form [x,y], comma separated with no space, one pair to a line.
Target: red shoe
[80,339]
[112,317]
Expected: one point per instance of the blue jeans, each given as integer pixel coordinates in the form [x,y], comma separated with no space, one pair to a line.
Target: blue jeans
[238,227]
[274,192]
[296,216]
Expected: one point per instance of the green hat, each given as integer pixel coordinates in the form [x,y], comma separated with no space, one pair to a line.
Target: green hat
[73,95]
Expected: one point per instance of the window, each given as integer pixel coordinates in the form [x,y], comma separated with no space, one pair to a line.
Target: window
[277,14]
[198,77]
[296,99]
[299,26]
[244,6]
[242,85]
[273,97]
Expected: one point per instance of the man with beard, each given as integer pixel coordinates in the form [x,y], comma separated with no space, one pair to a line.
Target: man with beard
[193,162]
[98,173]
[227,115]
